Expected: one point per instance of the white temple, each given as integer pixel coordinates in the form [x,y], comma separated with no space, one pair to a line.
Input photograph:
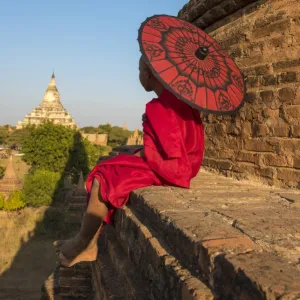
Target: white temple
[50,109]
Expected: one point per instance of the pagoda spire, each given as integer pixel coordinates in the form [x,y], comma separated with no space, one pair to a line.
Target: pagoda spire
[51,95]
[10,181]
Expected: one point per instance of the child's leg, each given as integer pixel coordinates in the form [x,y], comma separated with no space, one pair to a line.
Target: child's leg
[83,247]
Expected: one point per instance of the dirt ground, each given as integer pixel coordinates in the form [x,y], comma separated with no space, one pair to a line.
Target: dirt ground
[26,258]
[21,168]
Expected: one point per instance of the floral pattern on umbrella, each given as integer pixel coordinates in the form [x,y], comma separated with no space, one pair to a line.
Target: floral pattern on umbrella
[191,64]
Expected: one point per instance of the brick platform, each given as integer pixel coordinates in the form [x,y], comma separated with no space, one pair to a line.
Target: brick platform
[222,239]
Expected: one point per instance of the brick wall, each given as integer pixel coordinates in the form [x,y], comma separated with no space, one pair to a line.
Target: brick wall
[263,140]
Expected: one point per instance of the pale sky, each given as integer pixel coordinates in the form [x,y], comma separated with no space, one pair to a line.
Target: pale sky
[92,47]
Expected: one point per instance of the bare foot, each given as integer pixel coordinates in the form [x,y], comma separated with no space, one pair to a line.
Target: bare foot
[75,250]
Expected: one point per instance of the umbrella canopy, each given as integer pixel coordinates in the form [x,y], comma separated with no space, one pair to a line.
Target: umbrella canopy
[191,64]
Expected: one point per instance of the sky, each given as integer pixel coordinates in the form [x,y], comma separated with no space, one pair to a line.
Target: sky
[92,47]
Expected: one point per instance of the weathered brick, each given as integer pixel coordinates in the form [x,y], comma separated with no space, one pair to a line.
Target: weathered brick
[295,131]
[253,81]
[267,96]
[296,163]
[261,22]
[278,27]
[292,114]
[287,77]
[279,42]
[226,154]
[217,164]
[289,146]
[287,64]
[234,130]
[244,168]
[258,146]
[297,98]
[263,70]
[255,48]
[274,160]
[220,129]
[235,52]
[268,80]
[266,172]
[234,143]
[287,95]
[270,113]
[288,174]
[280,129]
[246,129]
[250,157]
[250,97]
[260,130]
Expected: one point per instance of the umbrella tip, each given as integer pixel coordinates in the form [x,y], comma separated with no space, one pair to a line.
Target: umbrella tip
[202,52]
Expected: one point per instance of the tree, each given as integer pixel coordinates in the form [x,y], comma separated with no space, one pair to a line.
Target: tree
[118,136]
[15,137]
[3,134]
[106,128]
[59,149]
[48,147]
[89,129]
[41,188]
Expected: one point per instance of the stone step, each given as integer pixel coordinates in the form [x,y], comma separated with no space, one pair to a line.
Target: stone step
[152,257]
[69,283]
[232,264]
[114,277]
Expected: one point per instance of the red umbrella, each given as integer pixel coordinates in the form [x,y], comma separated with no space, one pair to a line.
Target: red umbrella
[191,64]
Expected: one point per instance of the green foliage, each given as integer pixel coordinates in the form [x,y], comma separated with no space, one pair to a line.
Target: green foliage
[118,136]
[2,171]
[57,149]
[48,146]
[3,134]
[15,137]
[1,201]
[93,153]
[105,128]
[15,201]
[41,187]
[90,129]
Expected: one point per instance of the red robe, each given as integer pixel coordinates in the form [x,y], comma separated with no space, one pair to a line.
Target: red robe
[173,146]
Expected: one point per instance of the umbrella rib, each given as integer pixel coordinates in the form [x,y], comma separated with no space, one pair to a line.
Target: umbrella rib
[196,86]
[234,94]
[179,74]
[152,34]
[195,62]
[174,65]
[205,92]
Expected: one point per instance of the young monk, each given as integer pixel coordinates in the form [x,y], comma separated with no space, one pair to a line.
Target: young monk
[172,155]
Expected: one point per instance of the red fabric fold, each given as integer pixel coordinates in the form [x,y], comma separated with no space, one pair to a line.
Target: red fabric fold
[174,147]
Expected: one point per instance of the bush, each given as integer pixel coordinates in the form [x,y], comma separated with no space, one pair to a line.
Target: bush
[1,201]
[15,201]
[40,188]
[2,171]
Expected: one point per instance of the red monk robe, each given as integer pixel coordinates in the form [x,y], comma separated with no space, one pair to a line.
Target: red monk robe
[173,147]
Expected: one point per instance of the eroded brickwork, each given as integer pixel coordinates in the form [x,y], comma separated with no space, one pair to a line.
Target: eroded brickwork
[263,140]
